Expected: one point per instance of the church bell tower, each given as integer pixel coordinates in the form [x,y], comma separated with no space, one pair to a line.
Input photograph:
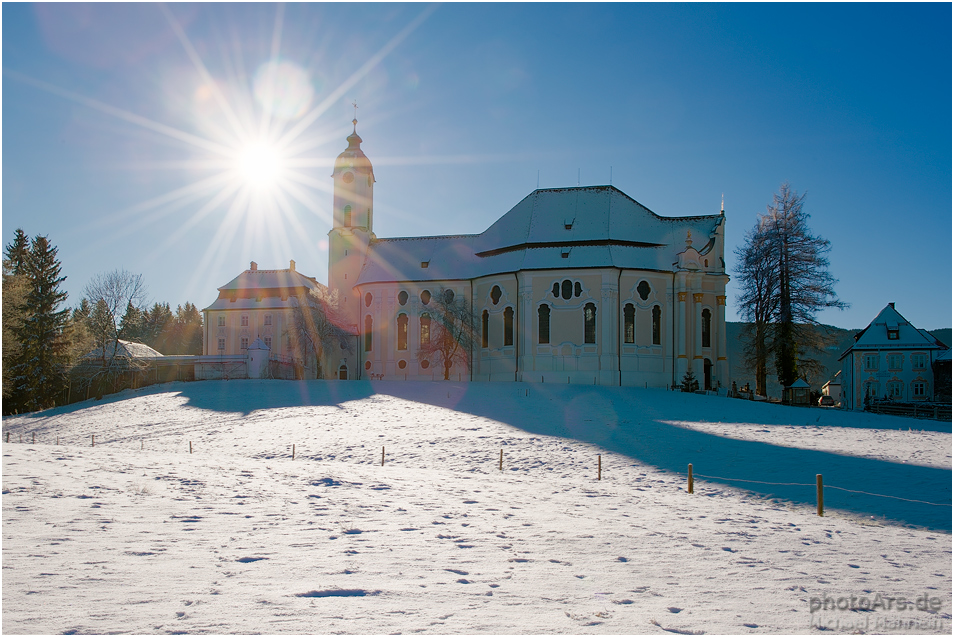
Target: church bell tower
[352,231]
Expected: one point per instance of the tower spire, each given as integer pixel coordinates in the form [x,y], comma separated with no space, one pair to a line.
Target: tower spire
[355,120]
[722,209]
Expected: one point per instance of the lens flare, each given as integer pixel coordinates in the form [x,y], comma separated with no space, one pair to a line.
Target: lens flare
[283,89]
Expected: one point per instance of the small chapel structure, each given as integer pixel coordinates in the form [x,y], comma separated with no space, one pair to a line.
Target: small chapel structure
[577,285]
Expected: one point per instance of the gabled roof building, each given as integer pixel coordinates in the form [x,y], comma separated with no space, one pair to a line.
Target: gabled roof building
[891,358]
[572,285]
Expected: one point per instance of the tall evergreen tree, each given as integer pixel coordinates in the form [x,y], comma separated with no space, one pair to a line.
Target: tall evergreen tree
[14,296]
[133,323]
[159,324]
[39,369]
[784,278]
[17,251]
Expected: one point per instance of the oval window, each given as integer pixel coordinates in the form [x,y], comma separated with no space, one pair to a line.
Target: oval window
[567,289]
[367,365]
[402,364]
[425,364]
[402,297]
[577,289]
[367,299]
[643,290]
[448,296]
[556,290]
[425,297]
[495,294]
[347,178]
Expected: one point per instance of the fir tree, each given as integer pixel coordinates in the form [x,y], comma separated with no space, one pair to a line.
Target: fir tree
[17,251]
[14,295]
[39,369]
[689,382]
[133,323]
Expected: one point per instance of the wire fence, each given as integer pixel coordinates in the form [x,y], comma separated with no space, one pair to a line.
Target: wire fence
[691,476]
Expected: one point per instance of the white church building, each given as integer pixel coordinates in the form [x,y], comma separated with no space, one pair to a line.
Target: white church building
[573,285]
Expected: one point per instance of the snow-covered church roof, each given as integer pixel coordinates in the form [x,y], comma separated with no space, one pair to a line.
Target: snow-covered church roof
[262,289]
[890,330]
[583,227]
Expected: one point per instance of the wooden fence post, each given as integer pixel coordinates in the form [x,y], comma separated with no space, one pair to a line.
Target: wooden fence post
[599,467]
[689,484]
[34,438]
[8,436]
[293,452]
[501,459]
[190,446]
[92,440]
[821,494]
[382,456]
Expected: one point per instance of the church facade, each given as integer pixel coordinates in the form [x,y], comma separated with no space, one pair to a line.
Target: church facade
[573,285]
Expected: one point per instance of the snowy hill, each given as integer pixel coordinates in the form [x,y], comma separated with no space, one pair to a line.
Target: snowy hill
[137,535]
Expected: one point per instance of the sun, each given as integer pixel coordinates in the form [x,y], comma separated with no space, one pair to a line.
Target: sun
[259,165]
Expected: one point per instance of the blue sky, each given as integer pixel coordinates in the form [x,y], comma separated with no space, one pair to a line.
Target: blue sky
[127,128]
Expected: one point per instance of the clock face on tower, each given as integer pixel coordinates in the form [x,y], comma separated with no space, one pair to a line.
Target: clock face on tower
[347,178]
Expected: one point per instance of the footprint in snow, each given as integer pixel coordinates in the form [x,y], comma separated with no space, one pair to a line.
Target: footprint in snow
[673,609]
[729,549]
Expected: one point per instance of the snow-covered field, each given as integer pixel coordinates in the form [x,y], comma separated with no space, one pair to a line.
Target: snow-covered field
[138,535]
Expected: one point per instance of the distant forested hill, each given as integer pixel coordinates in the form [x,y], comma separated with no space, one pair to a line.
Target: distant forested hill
[841,340]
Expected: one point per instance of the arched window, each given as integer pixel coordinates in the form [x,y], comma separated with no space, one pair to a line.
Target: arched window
[577,289]
[556,290]
[448,296]
[629,323]
[402,297]
[347,216]
[543,317]
[484,328]
[425,329]
[367,333]
[706,328]
[495,294]
[343,372]
[508,326]
[402,331]
[567,289]
[657,325]
[589,323]
[425,297]
[367,299]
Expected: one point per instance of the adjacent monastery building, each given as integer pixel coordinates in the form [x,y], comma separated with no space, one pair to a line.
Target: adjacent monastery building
[572,285]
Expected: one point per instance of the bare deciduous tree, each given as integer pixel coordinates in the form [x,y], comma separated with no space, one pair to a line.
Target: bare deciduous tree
[451,332]
[318,328]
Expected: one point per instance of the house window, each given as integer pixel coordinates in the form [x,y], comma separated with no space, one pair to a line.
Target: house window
[221,320]
[706,328]
[543,319]
[871,362]
[448,297]
[402,297]
[629,323]
[895,390]
[367,333]
[589,323]
[657,325]
[892,334]
[244,342]
[425,329]
[872,388]
[567,289]
[425,297]
[643,290]
[508,327]
[556,290]
[918,361]
[895,361]
[425,364]
[367,299]
[402,364]
[268,319]
[268,342]
[245,320]
[577,289]
[495,294]
[402,331]
[222,343]
[919,390]
[347,216]
[484,328]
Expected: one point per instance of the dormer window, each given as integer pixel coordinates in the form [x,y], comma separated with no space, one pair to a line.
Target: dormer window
[568,223]
[424,264]
[892,331]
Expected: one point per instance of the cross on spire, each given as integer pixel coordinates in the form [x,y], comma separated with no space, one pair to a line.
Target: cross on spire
[355,120]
